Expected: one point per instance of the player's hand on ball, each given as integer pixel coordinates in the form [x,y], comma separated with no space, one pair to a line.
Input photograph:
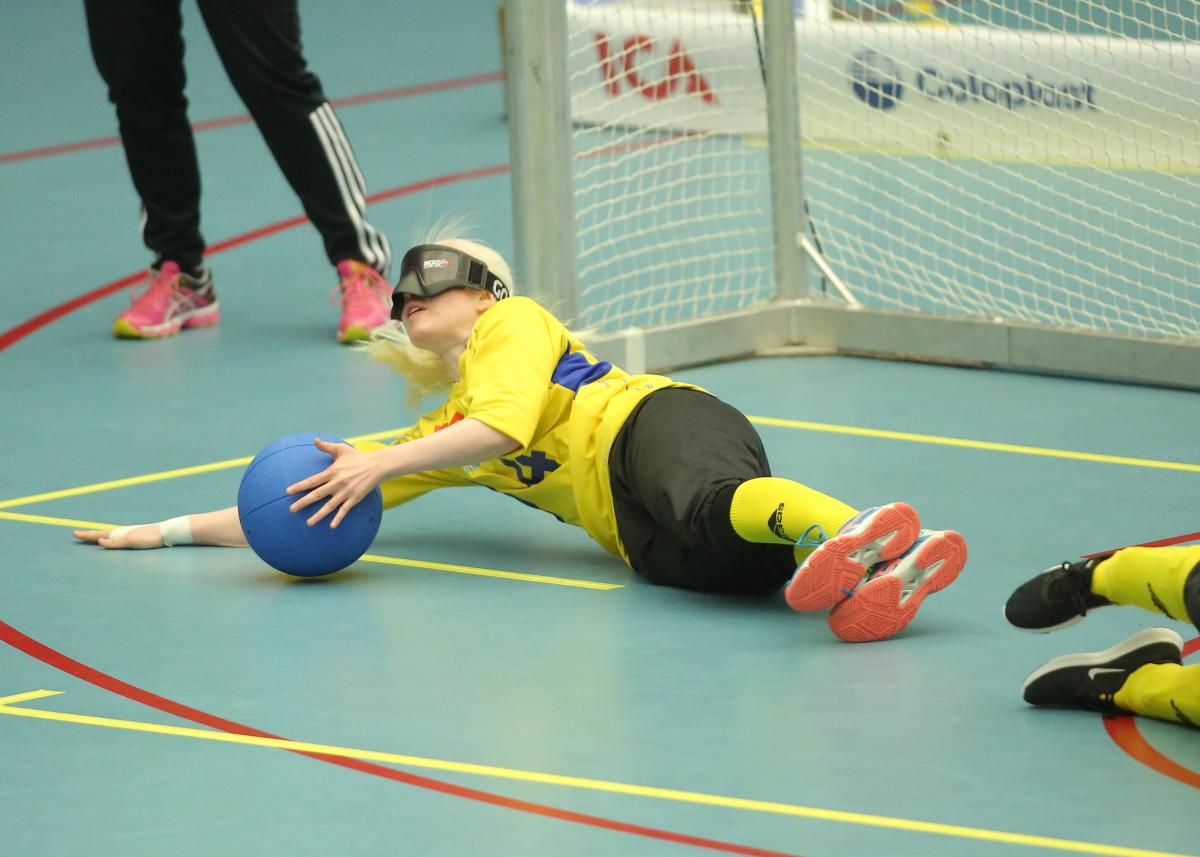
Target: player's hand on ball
[352,476]
[133,538]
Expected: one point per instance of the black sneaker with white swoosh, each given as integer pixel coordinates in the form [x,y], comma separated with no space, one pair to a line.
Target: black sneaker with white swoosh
[1091,679]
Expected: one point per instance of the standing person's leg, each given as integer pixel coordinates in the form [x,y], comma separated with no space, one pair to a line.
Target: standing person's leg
[259,42]
[138,48]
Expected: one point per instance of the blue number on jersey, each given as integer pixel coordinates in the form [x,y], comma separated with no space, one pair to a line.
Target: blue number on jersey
[539,465]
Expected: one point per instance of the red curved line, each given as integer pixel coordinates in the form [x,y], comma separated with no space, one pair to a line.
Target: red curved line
[243,118]
[1124,731]
[59,661]
[1125,734]
[418,89]
[1157,543]
[15,334]
[61,149]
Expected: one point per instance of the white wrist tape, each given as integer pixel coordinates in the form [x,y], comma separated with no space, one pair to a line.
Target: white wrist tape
[176,531]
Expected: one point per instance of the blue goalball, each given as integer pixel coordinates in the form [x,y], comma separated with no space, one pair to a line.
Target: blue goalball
[280,537]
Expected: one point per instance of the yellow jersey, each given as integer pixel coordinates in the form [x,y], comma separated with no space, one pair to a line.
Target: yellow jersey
[523,374]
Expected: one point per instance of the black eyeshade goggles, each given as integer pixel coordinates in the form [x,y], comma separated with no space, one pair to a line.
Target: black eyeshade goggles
[430,269]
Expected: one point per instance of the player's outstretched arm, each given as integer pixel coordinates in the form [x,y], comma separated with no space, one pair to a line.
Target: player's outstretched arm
[355,473]
[221,527]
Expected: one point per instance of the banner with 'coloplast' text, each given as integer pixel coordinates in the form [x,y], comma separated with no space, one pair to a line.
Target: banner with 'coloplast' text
[967,91]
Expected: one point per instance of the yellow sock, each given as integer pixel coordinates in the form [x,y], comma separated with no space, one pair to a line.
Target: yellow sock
[1164,691]
[1152,578]
[769,510]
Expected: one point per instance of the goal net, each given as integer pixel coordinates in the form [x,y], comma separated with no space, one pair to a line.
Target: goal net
[1020,161]
[672,181]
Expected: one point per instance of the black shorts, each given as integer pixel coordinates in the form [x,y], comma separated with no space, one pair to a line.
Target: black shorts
[1191,596]
[673,468]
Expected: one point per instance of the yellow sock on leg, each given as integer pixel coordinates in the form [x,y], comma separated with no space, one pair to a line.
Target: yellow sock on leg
[770,510]
[1152,578]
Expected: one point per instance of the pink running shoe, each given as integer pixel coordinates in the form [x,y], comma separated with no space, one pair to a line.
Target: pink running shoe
[889,598]
[834,569]
[366,299]
[171,302]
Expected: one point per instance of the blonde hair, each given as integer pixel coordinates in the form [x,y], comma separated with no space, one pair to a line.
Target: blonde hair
[424,370]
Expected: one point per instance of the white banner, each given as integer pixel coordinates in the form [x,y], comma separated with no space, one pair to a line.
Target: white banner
[972,91]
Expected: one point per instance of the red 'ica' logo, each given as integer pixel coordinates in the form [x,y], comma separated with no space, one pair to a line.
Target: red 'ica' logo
[681,71]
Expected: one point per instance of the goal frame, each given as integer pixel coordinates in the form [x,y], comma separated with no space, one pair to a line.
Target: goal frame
[795,320]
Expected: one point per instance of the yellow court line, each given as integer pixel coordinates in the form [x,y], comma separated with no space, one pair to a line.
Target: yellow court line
[376,558]
[56,522]
[796,810]
[160,476]
[489,572]
[766,421]
[978,444]
[26,697]
[125,483]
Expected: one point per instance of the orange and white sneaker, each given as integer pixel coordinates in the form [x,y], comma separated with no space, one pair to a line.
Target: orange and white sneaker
[172,301]
[890,595]
[366,299]
[832,571]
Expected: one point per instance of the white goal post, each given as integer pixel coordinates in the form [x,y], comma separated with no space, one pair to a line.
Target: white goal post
[1011,186]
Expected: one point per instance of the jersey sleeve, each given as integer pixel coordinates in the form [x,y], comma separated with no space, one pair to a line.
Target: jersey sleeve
[513,352]
[402,489]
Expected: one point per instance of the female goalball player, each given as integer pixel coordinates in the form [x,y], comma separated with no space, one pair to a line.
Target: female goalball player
[660,472]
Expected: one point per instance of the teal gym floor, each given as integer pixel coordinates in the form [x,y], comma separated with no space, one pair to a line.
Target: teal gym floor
[487,682]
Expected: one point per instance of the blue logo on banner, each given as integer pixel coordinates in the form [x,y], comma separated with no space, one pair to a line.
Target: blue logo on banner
[875,79]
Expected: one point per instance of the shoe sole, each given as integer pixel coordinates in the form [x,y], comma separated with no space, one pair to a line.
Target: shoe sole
[353,333]
[1049,629]
[123,328]
[831,572]
[1143,638]
[878,609]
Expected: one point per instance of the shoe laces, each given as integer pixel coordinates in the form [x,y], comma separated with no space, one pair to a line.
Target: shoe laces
[162,291]
[1066,584]
[813,537]
[359,285]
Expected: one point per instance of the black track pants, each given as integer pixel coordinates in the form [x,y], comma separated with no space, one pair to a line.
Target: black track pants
[138,47]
